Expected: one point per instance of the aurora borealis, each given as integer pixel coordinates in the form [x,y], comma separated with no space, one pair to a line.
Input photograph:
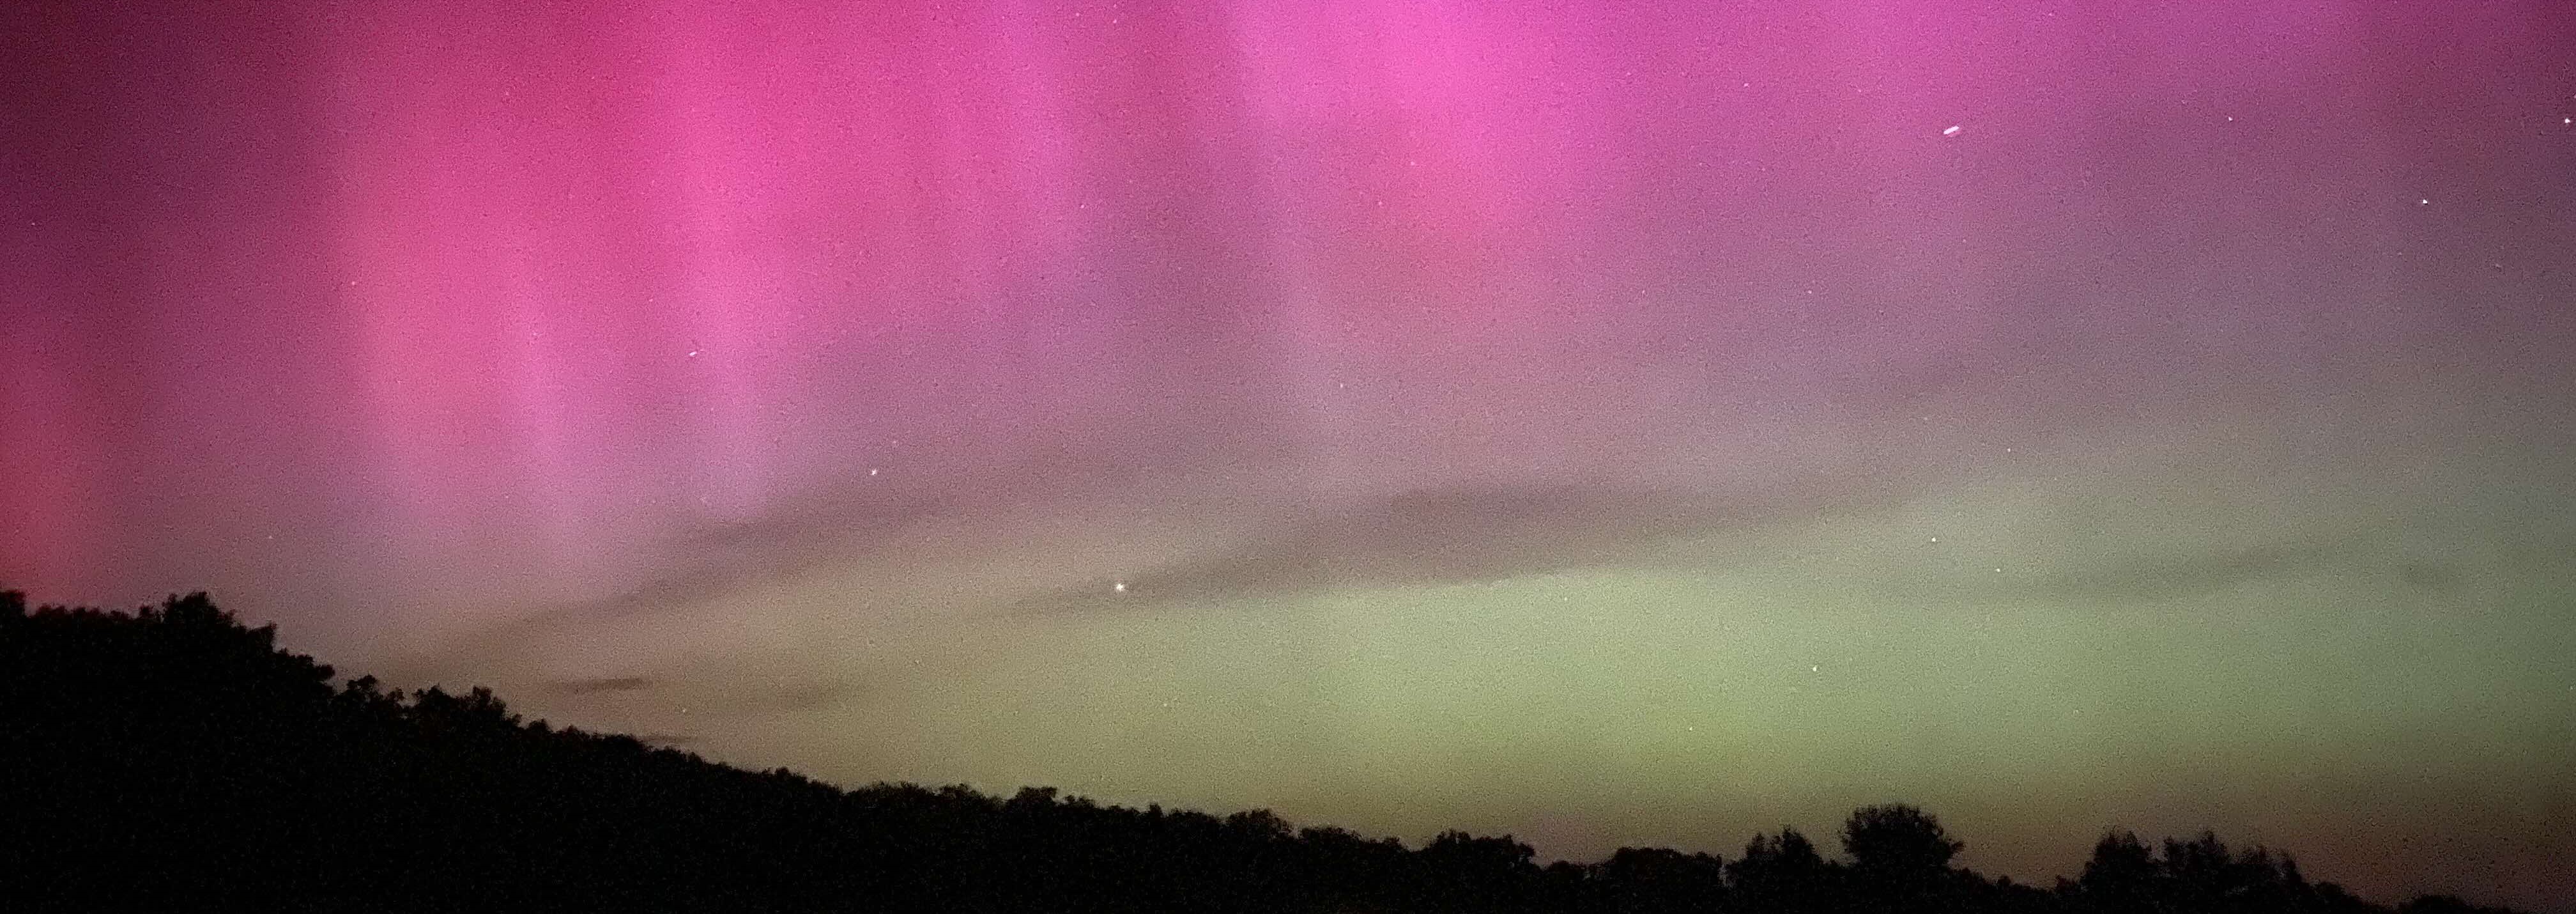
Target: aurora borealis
[1608,426]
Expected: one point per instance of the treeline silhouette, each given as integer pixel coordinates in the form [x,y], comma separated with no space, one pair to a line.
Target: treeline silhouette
[173,759]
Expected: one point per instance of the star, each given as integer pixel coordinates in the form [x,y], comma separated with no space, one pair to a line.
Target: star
[1118,587]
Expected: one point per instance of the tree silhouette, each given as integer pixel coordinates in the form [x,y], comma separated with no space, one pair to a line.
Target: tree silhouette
[1898,841]
[2121,876]
[1655,880]
[1470,873]
[174,759]
[1783,872]
[1900,859]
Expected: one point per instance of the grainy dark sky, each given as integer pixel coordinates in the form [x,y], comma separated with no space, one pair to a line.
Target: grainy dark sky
[1607,427]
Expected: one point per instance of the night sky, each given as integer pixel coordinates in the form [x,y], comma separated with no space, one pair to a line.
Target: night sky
[1635,426]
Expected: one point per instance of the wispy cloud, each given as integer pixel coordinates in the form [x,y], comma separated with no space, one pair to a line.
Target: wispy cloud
[2171,576]
[605,685]
[1464,534]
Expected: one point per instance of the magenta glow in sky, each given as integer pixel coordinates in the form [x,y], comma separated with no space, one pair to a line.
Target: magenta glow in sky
[1678,420]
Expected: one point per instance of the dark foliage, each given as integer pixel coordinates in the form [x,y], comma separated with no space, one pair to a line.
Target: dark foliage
[174,759]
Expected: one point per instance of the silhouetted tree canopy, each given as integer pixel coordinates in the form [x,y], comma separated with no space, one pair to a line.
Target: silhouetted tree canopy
[174,759]
[1900,860]
[1898,842]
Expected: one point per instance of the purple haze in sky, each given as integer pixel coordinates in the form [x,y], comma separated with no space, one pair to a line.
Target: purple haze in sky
[1608,425]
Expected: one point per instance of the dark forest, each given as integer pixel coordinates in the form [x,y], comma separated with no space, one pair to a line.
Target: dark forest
[173,758]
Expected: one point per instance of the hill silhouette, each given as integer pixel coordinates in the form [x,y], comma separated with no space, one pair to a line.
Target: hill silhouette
[172,758]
